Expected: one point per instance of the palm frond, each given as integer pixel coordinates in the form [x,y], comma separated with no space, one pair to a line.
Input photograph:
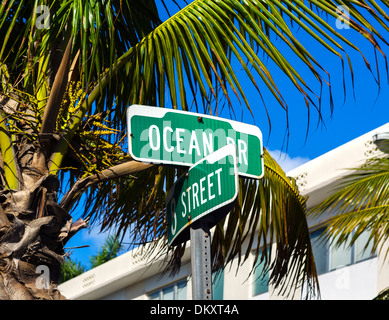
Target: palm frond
[204,44]
[206,41]
[280,212]
[383,295]
[52,108]
[359,204]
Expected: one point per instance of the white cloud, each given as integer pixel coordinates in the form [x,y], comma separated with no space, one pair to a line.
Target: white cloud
[286,162]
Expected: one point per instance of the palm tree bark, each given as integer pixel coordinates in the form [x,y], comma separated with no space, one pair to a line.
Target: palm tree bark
[33,231]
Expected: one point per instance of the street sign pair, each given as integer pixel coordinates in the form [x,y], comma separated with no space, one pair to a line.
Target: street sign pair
[216,150]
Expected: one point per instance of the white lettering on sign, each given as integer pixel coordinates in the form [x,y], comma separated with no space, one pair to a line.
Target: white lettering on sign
[154,138]
[195,195]
[179,140]
[202,189]
[210,185]
[198,142]
[174,224]
[194,144]
[167,148]
[208,144]
[242,151]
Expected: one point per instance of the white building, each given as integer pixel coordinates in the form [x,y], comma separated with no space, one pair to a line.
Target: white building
[343,274]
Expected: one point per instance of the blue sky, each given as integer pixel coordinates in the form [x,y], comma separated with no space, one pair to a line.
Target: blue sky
[350,119]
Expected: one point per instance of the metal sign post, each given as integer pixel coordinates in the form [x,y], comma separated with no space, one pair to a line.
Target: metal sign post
[200,246]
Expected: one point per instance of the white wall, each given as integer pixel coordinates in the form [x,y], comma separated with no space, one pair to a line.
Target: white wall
[355,282]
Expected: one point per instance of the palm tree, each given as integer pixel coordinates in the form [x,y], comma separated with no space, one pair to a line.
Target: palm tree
[70,269]
[109,251]
[362,207]
[69,70]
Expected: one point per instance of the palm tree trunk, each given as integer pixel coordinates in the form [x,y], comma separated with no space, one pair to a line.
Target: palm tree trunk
[33,232]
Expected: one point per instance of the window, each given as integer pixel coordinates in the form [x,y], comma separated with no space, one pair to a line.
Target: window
[320,252]
[345,255]
[360,252]
[261,280]
[176,291]
[328,257]
[340,256]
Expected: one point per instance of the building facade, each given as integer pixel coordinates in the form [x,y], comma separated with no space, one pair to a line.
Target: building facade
[344,273]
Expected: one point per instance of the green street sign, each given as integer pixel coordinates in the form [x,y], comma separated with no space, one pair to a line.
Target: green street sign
[166,136]
[208,190]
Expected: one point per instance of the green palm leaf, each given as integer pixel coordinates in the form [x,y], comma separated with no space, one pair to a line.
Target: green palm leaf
[360,203]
